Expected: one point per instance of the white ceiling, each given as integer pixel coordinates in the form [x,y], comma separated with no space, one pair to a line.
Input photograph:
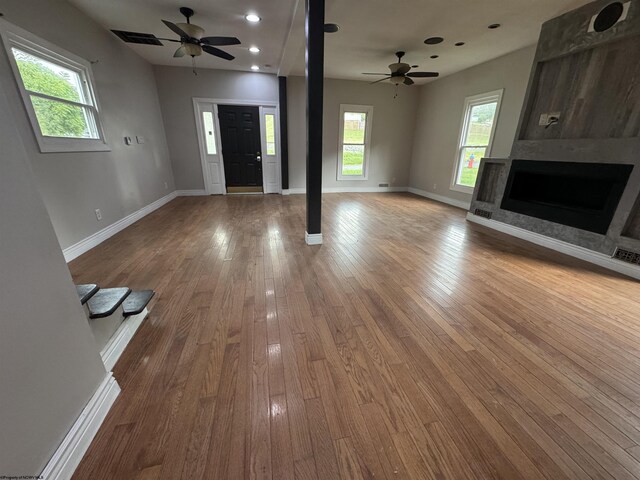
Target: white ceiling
[218,18]
[370,31]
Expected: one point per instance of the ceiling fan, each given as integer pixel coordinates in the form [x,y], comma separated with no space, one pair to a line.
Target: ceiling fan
[191,40]
[400,73]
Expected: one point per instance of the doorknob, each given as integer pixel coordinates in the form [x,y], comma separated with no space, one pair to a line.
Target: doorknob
[258,157]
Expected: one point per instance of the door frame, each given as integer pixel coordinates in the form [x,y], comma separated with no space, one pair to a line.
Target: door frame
[197,101]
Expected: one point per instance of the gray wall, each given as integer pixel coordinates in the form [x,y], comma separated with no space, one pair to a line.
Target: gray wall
[49,362]
[440,115]
[119,182]
[177,86]
[391,139]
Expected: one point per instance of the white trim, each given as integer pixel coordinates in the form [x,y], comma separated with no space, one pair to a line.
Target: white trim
[191,193]
[302,191]
[275,111]
[470,102]
[313,238]
[121,338]
[441,198]
[368,111]
[230,101]
[97,238]
[68,455]
[14,36]
[559,246]
[198,109]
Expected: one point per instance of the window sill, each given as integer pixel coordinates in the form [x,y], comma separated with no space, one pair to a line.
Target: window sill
[346,179]
[72,146]
[462,189]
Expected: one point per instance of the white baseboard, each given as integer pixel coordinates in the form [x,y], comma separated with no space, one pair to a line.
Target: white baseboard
[313,239]
[121,338]
[301,191]
[75,444]
[582,253]
[191,193]
[441,198]
[97,238]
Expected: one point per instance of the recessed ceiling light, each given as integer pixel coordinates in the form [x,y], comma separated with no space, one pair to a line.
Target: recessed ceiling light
[415,66]
[331,27]
[434,40]
[459,44]
[435,56]
[252,17]
[493,26]
[255,68]
[254,49]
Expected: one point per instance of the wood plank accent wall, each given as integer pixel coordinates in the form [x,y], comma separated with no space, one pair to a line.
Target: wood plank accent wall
[597,90]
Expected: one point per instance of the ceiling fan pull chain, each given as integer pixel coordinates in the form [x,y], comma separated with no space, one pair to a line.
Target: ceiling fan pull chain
[193,66]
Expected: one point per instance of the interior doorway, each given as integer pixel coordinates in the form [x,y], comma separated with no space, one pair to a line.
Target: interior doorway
[239,146]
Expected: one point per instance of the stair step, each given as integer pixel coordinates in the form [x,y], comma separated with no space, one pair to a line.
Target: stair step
[85,292]
[136,302]
[106,301]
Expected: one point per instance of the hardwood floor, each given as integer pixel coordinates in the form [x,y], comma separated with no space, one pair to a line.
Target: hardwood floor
[412,344]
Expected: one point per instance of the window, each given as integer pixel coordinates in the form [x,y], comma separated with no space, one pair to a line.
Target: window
[476,135]
[355,140]
[270,132]
[58,93]
[210,138]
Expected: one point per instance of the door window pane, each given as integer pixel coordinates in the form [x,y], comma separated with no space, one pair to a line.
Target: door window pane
[270,131]
[210,139]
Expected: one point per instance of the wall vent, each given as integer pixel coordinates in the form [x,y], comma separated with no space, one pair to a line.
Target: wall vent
[627,256]
[383,184]
[483,213]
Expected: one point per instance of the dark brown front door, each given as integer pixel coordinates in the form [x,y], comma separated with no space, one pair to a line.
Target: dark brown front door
[241,151]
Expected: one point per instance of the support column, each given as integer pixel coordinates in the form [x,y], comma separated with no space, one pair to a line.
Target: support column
[315,83]
[284,132]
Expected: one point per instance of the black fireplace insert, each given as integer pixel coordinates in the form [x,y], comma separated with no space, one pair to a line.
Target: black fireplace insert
[580,195]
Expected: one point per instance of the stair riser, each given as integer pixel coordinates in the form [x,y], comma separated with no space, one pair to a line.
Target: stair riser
[104,328]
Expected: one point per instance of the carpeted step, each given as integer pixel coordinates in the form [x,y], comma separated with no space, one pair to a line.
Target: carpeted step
[106,301]
[85,292]
[136,302]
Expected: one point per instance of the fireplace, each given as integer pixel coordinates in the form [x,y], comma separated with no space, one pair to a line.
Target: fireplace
[580,195]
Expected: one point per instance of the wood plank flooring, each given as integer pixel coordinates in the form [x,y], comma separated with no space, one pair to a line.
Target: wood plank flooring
[412,344]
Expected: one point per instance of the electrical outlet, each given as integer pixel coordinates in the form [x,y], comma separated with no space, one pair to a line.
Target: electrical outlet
[140,139]
[166,186]
[435,186]
[98,214]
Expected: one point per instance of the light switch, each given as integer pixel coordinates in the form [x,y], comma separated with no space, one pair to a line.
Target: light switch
[128,141]
[140,139]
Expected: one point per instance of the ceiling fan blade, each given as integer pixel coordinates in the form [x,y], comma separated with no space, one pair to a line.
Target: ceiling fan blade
[217,52]
[400,68]
[169,40]
[408,81]
[179,52]
[381,80]
[385,74]
[220,41]
[423,74]
[176,29]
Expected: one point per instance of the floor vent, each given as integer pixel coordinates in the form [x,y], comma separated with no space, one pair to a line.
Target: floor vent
[483,213]
[383,184]
[627,256]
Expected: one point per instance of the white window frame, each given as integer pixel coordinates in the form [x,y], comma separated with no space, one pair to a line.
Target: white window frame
[469,103]
[13,36]
[368,110]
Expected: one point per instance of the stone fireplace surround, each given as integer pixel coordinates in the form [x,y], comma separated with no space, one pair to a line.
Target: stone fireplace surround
[592,79]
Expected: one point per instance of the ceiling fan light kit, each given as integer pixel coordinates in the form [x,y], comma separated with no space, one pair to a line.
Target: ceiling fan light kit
[400,73]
